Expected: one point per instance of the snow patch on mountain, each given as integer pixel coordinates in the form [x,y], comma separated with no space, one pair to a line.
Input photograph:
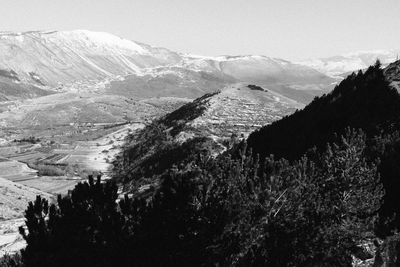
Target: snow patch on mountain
[66,57]
[98,39]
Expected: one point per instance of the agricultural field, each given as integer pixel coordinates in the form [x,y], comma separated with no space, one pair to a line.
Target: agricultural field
[32,163]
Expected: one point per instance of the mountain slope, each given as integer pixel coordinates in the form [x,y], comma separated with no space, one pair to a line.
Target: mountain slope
[363,101]
[59,58]
[369,101]
[298,82]
[210,123]
[169,81]
[240,109]
[194,76]
[12,88]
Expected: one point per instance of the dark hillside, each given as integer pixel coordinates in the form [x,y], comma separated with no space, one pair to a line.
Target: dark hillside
[363,100]
[155,149]
[367,101]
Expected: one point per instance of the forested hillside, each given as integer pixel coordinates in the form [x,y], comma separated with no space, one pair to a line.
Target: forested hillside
[222,212]
[367,101]
[362,100]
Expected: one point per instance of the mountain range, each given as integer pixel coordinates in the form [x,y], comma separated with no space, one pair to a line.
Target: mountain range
[61,59]
[49,77]
[342,65]
[76,60]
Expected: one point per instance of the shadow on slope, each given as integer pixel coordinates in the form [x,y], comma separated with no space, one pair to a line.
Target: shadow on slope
[363,100]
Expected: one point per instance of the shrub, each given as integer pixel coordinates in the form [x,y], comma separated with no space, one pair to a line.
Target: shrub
[14,260]
[48,170]
[223,212]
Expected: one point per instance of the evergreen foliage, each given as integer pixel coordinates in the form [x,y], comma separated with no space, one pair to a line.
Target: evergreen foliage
[224,212]
[361,101]
[364,101]
[11,260]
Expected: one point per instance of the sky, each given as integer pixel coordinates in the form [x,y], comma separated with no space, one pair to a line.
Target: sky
[290,29]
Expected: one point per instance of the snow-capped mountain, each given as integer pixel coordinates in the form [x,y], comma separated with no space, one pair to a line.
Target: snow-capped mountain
[63,57]
[342,64]
[255,68]
[100,73]
[66,59]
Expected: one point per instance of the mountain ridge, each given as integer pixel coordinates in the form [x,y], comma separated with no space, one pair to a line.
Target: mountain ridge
[64,59]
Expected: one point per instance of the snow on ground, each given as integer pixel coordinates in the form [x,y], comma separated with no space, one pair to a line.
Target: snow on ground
[105,39]
[80,55]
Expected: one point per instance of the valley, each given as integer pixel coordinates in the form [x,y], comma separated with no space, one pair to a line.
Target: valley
[55,167]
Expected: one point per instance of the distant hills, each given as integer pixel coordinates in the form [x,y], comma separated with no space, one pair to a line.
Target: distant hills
[62,77]
[342,65]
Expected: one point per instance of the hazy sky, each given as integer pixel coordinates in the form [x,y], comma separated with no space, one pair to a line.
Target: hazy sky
[291,29]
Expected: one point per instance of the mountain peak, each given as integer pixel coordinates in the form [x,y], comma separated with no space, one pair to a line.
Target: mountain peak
[91,37]
[103,38]
[59,58]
